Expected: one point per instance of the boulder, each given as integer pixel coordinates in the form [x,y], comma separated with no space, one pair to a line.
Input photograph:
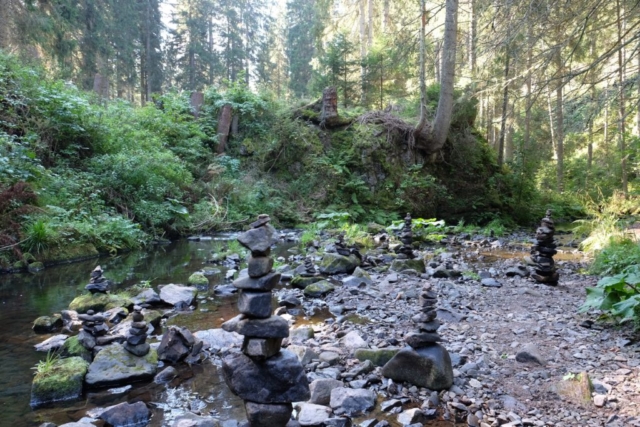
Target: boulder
[114,366]
[332,263]
[378,357]
[198,279]
[318,289]
[125,414]
[176,344]
[310,414]
[321,388]
[408,264]
[279,379]
[218,339]
[147,296]
[98,302]
[301,282]
[178,294]
[47,324]
[352,402]
[62,380]
[53,343]
[428,367]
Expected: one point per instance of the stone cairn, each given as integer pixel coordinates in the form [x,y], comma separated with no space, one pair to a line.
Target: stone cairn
[93,327]
[406,237]
[426,320]
[543,251]
[98,283]
[309,268]
[267,378]
[341,247]
[137,337]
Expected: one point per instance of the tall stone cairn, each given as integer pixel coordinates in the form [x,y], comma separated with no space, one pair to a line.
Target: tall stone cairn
[137,337]
[93,326]
[543,251]
[406,237]
[98,284]
[267,378]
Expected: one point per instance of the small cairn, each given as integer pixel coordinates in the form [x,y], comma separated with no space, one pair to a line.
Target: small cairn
[341,247]
[309,268]
[137,337]
[98,283]
[429,362]
[267,378]
[543,251]
[406,237]
[93,326]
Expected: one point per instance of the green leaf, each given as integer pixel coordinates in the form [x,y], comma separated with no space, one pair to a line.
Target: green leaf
[595,296]
[627,309]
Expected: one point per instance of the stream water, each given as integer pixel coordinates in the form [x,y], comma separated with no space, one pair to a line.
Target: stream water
[24,297]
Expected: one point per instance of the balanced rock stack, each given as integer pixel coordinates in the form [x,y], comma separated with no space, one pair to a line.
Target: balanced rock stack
[341,247]
[267,378]
[424,363]
[137,338]
[543,251]
[98,283]
[93,326]
[309,268]
[406,237]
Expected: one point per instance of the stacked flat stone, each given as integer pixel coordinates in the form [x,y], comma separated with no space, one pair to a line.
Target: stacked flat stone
[341,247]
[98,283]
[426,321]
[309,268]
[137,337]
[543,251]
[267,378]
[93,326]
[406,237]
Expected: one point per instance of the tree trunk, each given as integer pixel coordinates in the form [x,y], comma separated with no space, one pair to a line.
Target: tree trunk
[621,111]
[474,34]
[423,84]
[329,113]
[148,53]
[529,103]
[223,127]
[559,130]
[363,49]
[370,25]
[444,112]
[505,104]
[386,20]
[638,89]
[196,101]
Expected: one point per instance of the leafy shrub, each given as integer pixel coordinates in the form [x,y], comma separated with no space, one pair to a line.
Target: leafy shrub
[618,295]
[616,257]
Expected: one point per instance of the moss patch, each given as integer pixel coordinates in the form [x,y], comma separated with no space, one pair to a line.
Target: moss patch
[62,381]
[98,302]
[73,348]
[68,253]
[377,357]
[198,279]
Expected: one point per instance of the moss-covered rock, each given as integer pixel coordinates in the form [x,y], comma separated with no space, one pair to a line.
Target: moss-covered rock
[408,264]
[67,253]
[378,357]
[73,348]
[46,324]
[319,289]
[337,264]
[98,302]
[198,279]
[60,381]
[152,317]
[300,282]
[114,365]
[34,267]
[358,272]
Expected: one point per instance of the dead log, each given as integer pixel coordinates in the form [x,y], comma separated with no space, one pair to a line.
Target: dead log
[224,125]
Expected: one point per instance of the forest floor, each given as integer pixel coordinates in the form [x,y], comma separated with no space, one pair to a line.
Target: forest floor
[485,328]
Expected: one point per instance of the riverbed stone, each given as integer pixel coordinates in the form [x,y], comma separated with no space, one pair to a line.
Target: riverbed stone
[177,294]
[264,283]
[198,279]
[530,354]
[59,382]
[408,264]
[310,414]
[268,415]
[255,303]
[279,379]
[318,289]
[53,343]
[98,302]
[332,263]
[126,414]
[412,416]
[114,365]
[175,345]
[301,282]
[353,341]
[428,367]
[352,402]
[219,339]
[47,324]
[272,327]
[259,240]
[189,419]
[321,390]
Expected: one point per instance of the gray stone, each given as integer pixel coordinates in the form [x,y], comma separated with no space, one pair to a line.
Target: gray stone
[300,335]
[330,357]
[53,343]
[173,347]
[353,341]
[272,327]
[261,347]
[428,367]
[278,379]
[126,414]
[352,402]
[62,381]
[332,263]
[177,294]
[530,354]
[411,416]
[259,240]
[46,324]
[264,283]
[114,365]
[304,353]
[424,339]
[490,283]
[310,414]
[166,375]
[219,339]
[268,415]
[318,289]
[192,420]
[321,390]
[255,303]
[408,264]
[259,266]
[338,422]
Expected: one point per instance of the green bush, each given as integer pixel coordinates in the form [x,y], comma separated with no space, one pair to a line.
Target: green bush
[616,257]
